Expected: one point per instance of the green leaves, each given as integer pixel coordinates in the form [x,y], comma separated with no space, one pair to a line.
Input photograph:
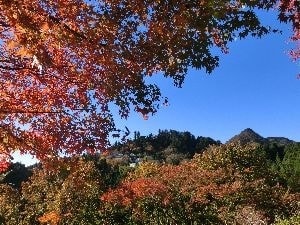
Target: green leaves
[289,168]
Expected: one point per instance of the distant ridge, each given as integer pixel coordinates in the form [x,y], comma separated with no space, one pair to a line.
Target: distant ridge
[280,140]
[246,136]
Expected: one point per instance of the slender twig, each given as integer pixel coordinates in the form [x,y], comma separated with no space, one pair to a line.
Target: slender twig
[74,32]
[40,112]
[19,140]
[12,68]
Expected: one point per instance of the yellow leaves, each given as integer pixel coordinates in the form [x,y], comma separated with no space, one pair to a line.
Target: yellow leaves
[5,139]
[15,15]
[146,169]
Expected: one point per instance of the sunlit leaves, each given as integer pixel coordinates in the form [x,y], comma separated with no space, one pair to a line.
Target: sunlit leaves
[234,190]
[67,195]
[222,185]
[4,161]
[10,203]
[63,64]
[49,218]
[290,13]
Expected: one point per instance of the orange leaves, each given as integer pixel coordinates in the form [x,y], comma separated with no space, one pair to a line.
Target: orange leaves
[154,194]
[51,218]
[130,192]
[12,44]
[166,182]
[23,52]
[194,191]
[147,188]
[45,27]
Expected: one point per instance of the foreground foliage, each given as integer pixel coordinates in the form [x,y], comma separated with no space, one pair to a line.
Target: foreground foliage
[229,184]
[294,220]
[225,184]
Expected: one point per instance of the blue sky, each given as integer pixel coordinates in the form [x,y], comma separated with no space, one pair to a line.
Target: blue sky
[255,86]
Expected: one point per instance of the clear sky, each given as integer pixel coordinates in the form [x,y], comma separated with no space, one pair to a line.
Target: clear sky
[255,86]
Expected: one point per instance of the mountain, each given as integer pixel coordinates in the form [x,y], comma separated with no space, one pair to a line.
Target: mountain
[247,135]
[280,140]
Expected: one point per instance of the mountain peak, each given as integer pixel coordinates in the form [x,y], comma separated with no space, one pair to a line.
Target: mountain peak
[246,136]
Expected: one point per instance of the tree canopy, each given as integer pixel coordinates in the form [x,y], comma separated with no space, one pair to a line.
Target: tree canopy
[63,64]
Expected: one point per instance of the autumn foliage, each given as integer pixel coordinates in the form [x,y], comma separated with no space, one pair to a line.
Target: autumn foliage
[64,63]
[227,184]
[4,162]
[51,218]
[290,12]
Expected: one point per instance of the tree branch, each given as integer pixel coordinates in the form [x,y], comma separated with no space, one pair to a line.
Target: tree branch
[19,140]
[74,32]
[40,112]
[12,68]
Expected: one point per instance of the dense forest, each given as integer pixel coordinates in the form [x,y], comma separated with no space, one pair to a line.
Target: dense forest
[169,178]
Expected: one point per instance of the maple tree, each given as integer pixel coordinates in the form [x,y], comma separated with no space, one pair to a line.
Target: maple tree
[289,11]
[64,63]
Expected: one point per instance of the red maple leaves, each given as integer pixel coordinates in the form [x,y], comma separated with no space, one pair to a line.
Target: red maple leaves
[63,64]
[4,162]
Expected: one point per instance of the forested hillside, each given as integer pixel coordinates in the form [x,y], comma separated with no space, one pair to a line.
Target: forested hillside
[168,146]
[208,183]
